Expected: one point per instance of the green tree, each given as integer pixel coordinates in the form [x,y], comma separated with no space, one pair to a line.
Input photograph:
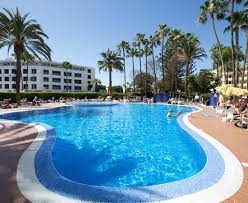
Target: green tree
[148,79]
[154,41]
[139,41]
[215,9]
[111,60]
[133,52]
[24,36]
[147,52]
[123,47]
[97,84]
[163,32]
[66,65]
[190,51]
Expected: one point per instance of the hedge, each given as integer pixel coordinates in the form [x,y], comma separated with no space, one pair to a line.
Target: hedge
[48,95]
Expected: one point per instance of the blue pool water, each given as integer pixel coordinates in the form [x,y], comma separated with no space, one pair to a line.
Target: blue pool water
[121,145]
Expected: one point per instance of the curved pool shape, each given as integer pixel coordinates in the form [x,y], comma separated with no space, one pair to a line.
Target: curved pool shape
[122,153]
[122,145]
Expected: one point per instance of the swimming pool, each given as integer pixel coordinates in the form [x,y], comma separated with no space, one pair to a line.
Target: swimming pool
[121,145]
[120,152]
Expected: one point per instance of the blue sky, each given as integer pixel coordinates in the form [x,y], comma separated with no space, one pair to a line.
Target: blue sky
[79,30]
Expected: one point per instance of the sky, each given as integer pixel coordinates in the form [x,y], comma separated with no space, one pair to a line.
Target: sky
[79,30]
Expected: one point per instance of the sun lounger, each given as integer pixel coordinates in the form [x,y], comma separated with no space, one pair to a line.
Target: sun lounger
[5,104]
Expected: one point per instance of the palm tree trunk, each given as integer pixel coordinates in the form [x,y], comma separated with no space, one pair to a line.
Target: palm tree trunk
[162,63]
[141,78]
[124,70]
[18,76]
[237,56]
[146,79]
[110,82]
[244,66]
[27,78]
[186,80]
[133,75]
[232,44]
[154,70]
[219,48]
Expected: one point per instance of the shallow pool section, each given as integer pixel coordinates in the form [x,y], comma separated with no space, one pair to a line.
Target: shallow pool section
[120,146]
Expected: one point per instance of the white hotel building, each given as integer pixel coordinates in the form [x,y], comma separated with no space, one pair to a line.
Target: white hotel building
[45,76]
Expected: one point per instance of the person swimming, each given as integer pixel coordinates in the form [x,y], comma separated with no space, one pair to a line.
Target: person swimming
[169,114]
[179,112]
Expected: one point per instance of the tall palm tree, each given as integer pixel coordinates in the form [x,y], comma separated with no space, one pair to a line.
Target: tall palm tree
[123,46]
[66,65]
[138,41]
[133,52]
[154,41]
[190,51]
[214,8]
[27,58]
[163,32]
[24,36]
[147,52]
[111,60]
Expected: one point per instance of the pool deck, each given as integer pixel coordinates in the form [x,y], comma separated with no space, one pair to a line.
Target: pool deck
[15,138]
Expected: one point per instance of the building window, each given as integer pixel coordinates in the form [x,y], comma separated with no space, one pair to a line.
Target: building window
[34,86]
[78,75]
[6,78]
[45,79]
[89,76]
[89,82]
[6,86]
[13,78]
[0,71]
[89,70]
[46,87]
[56,72]
[78,81]
[0,78]
[25,78]
[56,80]
[1,86]
[229,82]
[67,74]
[229,76]
[46,72]
[33,78]
[78,88]
[25,71]
[34,71]
[67,80]
[56,87]
[13,71]
[6,71]
[67,87]
[25,86]
[13,86]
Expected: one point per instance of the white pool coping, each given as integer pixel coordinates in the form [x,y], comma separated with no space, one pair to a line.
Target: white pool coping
[228,185]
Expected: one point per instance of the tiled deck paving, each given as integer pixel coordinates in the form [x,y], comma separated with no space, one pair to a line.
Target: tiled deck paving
[15,138]
[233,138]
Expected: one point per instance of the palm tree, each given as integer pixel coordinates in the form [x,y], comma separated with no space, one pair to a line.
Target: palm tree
[215,9]
[190,51]
[123,46]
[67,65]
[111,60]
[24,36]
[163,32]
[147,52]
[133,52]
[27,58]
[154,41]
[138,41]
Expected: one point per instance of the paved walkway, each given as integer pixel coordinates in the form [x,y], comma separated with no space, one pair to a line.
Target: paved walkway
[15,138]
[235,139]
